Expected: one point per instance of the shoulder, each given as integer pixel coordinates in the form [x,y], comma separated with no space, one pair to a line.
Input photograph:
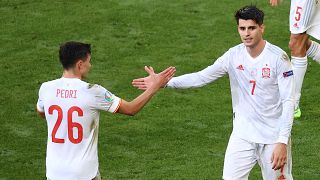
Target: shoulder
[236,49]
[233,51]
[95,89]
[275,49]
[49,84]
[278,52]
[99,92]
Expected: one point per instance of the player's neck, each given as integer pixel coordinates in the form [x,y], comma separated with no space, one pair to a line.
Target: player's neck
[71,74]
[256,50]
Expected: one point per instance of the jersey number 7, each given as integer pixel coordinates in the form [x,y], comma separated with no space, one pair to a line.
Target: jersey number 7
[71,124]
[253,82]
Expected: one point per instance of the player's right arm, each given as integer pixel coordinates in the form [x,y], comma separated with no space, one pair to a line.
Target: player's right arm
[156,81]
[39,106]
[41,114]
[192,80]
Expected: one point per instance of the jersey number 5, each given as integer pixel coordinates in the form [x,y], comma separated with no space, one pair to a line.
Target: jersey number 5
[71,124]
[298,13]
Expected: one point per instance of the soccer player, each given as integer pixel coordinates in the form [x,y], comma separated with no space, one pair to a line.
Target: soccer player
[304,21]
[71,107]
[262,89]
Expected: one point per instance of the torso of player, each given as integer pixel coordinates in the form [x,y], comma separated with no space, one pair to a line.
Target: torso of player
[71,119]
[72,129]
[255,93]
[253,81]
[71,108]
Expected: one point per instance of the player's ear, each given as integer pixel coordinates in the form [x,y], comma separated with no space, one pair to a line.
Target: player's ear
[262,28]
[79,64]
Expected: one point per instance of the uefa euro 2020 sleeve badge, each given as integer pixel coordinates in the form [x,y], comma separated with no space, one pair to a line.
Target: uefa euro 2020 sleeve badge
[108,96]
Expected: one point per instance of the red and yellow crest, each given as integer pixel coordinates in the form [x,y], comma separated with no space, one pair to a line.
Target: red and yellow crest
[265,72]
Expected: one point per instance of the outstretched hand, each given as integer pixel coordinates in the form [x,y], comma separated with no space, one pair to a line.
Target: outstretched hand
[154,80]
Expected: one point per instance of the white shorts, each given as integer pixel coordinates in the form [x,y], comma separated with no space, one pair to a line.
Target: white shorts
[241,156]
[305,17]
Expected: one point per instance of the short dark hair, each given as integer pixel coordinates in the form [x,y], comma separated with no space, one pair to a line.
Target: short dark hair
[71,52]
[250,12]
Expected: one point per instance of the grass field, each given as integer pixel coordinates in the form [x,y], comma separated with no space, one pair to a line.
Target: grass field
[180,134]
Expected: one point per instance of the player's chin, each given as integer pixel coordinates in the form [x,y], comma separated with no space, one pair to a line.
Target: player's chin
[248,44]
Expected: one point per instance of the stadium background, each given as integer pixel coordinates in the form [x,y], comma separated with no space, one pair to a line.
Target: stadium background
[180,134]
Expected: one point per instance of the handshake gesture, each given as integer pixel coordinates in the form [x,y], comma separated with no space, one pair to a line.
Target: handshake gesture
[154,81]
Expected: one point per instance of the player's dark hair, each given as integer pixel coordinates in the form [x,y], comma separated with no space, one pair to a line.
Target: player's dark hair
[71,52]
[250,12]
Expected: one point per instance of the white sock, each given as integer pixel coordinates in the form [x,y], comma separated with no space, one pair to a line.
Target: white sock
[314,51]
[299,70]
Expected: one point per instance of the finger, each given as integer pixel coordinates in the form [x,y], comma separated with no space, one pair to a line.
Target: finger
[166,70]
[149,70]
[170,72]
[275,163]
[138,83]
[281,163]
[170,75]
[139,86]
[138,80]
[143,88]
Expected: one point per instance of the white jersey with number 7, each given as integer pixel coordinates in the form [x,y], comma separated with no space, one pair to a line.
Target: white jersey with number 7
[71,108]
[262,91]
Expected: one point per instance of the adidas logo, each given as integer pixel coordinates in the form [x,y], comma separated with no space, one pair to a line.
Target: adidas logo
[240,67]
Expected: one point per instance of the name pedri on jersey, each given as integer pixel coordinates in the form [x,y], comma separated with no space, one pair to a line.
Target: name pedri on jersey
[71,108]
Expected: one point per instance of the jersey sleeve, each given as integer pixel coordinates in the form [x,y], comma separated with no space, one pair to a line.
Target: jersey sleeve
[286,88]
[105,100]
[40,105]
[203,77]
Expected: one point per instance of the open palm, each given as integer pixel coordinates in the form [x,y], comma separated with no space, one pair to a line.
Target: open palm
[154,80]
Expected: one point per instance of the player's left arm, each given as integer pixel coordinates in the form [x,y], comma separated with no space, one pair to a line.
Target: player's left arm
[286,89]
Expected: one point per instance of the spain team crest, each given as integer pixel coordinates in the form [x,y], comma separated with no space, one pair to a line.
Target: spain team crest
[265,72]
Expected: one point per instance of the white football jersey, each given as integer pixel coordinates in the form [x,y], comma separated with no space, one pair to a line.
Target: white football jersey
[71,108]
[262,90]
[305,17]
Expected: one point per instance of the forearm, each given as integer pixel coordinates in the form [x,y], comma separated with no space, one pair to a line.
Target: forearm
[286,121]
[186,81]
[134,106]
[198,79]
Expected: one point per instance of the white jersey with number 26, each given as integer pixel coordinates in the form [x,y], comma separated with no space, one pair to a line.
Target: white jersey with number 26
[262,91]
[71,108]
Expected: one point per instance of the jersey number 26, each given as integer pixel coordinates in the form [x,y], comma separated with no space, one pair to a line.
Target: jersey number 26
[71,124]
